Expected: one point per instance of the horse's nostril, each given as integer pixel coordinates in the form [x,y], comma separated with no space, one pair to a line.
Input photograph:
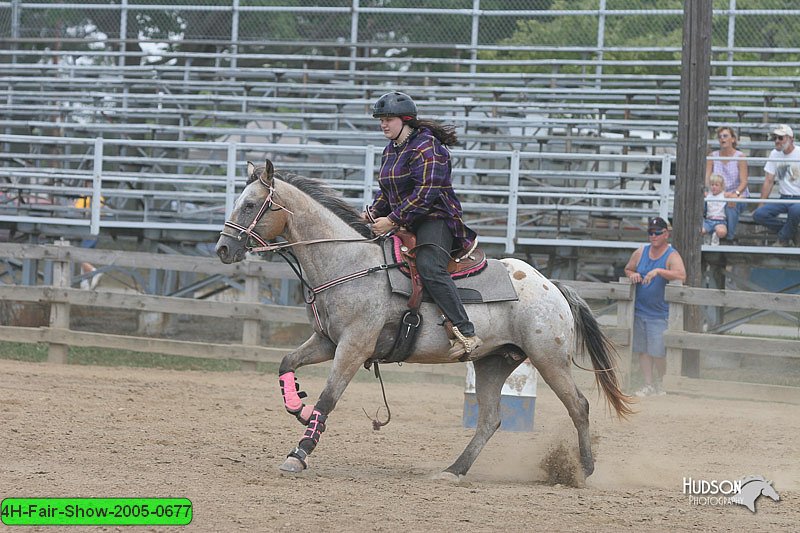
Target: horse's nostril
[222,252]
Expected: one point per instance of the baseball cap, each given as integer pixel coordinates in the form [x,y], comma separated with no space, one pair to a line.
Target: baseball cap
[783,129]
[657,223]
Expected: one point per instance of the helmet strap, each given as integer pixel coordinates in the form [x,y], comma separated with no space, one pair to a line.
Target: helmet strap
[401,132]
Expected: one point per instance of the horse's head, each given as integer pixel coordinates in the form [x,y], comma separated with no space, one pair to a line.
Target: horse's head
[752,488]
[255,219]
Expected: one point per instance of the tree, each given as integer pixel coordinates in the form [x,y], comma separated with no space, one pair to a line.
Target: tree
[581,31]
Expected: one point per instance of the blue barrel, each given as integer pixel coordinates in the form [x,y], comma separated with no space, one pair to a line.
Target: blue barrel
[517,399]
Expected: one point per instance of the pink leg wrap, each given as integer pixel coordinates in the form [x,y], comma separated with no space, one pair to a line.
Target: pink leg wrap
[291,399]
[316,426]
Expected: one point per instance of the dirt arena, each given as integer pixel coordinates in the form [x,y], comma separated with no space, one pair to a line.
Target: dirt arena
[218,438]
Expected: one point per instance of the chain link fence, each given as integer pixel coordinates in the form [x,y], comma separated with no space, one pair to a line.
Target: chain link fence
[751,36]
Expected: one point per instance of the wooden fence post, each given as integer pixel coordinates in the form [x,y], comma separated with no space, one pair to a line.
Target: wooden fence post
[674,355]
[625,320]
[59,311]
[251,330]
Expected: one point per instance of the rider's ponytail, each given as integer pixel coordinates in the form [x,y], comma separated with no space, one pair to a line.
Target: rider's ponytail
[445,133]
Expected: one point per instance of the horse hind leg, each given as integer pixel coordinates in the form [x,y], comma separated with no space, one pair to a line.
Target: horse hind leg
[490,374]
[558,377]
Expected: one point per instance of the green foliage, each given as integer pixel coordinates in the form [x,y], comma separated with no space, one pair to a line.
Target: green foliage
[17,351]
[37,353]
[767,31]
[550,40]
[106,357]
[580,31]
[652,37]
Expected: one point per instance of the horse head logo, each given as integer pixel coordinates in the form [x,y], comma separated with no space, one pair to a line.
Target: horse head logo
[752,488]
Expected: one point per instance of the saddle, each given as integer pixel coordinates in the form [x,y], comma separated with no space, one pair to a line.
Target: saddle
[404,247]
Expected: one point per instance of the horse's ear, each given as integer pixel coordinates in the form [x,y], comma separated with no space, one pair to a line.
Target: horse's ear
[269,171]
[250,169]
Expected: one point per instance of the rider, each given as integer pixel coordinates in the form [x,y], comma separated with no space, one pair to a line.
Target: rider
[416,192]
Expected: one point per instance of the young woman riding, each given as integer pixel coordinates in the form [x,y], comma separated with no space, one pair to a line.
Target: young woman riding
[416,193]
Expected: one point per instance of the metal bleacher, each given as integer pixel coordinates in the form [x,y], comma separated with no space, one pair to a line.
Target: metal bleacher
[548,159]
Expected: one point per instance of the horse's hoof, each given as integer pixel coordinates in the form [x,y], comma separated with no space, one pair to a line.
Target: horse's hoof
[446,476]
[588,467]
[292,465]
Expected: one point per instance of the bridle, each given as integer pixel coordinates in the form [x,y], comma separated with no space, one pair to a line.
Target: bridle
[250,232]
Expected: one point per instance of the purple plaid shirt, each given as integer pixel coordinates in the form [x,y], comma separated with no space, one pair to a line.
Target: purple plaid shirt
[415,182]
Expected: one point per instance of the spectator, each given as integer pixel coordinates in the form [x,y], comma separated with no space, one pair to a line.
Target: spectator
[714,222]
[91,281]
[651,267]
[733,171]
[783,164]
[85,202]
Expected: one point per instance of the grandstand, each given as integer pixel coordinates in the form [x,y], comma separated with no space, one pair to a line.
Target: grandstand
[566,148]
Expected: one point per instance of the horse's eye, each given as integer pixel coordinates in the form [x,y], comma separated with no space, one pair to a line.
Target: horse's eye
[249,206]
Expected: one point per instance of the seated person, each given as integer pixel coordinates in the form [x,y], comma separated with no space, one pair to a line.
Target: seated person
[715,221]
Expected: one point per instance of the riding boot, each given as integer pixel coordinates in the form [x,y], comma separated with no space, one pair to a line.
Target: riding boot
[462,346]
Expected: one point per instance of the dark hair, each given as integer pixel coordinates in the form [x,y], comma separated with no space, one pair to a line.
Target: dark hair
[446,133]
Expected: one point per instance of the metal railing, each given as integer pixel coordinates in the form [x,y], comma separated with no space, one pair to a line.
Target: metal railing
[180,185]
[512,198]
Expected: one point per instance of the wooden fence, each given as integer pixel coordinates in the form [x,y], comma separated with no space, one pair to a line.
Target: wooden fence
[677,340]
[60,295]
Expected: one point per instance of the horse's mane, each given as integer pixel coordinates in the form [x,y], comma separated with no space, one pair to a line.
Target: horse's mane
[330,199]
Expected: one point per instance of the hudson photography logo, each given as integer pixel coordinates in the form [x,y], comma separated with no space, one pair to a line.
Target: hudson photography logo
[718,492]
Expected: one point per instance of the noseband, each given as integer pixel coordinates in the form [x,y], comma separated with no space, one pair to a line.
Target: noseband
[250,231]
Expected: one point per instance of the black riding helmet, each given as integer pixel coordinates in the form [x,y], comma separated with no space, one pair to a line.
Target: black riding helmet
[394,104]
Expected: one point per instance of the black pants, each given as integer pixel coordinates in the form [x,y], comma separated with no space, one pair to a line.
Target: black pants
[434,245]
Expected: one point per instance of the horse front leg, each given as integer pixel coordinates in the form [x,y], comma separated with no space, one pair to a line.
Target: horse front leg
[348,359]
[491,373]
[316,349]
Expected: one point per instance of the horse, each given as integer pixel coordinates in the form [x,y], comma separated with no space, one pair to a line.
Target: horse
[355,315]
[752,488]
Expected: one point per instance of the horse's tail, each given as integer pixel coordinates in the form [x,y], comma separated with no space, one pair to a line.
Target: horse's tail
[600,349]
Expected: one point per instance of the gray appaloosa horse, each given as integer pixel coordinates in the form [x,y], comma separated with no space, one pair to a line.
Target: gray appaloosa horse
[355,315]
